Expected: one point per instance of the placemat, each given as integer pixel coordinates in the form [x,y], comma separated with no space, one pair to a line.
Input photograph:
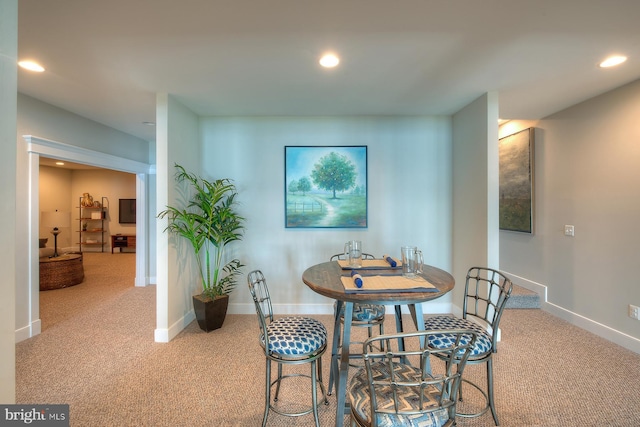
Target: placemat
[370,264]
[372,284]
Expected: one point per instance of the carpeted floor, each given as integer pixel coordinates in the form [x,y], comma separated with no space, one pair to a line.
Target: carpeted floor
[96,353]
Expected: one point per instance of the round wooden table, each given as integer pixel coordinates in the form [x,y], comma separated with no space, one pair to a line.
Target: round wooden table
[325,279]
[61,271]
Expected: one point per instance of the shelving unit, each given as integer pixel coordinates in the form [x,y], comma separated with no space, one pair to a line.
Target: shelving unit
[94,217]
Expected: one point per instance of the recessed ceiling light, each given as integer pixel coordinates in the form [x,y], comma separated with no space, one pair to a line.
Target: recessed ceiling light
[31,66]
[612,61]
[329,60]
[60,163]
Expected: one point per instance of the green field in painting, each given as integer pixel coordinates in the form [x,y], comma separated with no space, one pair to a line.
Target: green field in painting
[321,210]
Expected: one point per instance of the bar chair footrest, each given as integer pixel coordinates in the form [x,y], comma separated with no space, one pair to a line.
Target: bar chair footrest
[321,397]
[484,395]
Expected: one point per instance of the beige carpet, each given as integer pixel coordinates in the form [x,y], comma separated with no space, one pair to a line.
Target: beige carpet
[97,354]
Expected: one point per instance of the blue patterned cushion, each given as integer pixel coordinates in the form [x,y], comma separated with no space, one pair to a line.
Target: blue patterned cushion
[359,396]
[483,343]
[295,336]
[364,312]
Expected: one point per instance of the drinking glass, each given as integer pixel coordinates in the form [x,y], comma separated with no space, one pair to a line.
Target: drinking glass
[411,261]
[353,253]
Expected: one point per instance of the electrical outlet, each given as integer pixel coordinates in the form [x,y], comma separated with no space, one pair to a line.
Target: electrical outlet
[634,312]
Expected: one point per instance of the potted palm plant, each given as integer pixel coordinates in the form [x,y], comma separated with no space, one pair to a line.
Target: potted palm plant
[209,221]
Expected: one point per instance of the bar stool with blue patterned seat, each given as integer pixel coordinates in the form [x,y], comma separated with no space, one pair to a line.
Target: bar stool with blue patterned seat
[364,315]
[397,387]
[291,340]
[485,296]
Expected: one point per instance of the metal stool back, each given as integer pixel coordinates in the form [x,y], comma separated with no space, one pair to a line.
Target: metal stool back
[397,387]
[485,296]
[290,340]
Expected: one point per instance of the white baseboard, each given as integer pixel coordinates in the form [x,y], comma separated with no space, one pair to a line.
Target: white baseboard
[538,288]
[29,331]
[279,309]
[145,281]
[603,331]
[327,308]
[166,335]
[161,335]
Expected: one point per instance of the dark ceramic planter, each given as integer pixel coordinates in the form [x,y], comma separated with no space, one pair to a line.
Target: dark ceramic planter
[210,313]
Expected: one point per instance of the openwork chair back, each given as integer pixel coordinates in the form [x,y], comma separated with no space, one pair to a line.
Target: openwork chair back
[262,300]
[290,340]
[397,387]
[486,294]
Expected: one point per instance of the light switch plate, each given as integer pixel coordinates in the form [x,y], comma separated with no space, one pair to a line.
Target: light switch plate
[569,230]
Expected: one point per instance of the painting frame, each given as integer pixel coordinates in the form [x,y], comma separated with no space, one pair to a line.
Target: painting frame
[326,186]
[516,181]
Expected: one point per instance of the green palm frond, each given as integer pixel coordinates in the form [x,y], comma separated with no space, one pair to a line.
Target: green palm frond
[209,221]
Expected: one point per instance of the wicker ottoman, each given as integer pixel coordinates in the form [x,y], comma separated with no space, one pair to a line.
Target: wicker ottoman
[61,272]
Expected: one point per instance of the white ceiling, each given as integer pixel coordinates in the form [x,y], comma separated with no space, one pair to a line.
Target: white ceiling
[106,60]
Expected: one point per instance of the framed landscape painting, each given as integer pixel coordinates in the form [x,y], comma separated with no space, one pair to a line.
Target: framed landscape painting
[325,186]
[516,181]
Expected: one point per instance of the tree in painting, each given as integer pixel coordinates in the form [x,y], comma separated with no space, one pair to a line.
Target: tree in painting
[293,186]
[304,185]
[334,172]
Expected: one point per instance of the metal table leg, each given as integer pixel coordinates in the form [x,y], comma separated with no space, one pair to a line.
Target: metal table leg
[342,407]
[337,331]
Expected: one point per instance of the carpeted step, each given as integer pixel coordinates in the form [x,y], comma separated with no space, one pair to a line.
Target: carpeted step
[523,298]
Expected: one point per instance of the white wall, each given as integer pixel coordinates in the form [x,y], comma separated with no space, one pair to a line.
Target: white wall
[55,194]
[151,192]
[586,175]
[62,188]
[113,185]
[475,189]
[8,233]
[177,141]
[47,121]
[409,196]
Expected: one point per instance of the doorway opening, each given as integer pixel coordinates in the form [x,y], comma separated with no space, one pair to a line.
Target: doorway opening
[37,147]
